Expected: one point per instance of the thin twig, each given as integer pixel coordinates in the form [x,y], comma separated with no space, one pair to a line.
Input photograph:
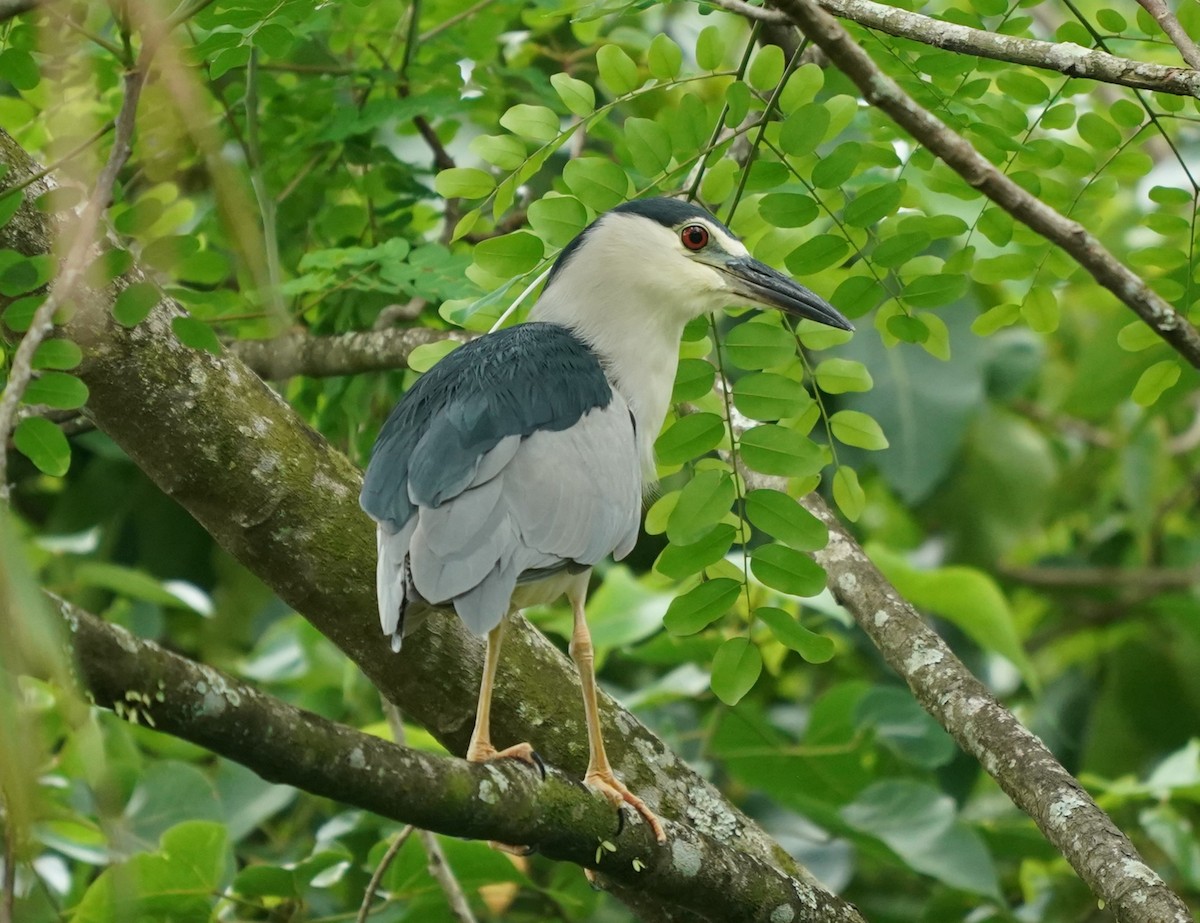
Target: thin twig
[956,152]
[455,19]
[266,204]
[75,264]
[364,910]
[1144,579]
[1188,49]
[438,866]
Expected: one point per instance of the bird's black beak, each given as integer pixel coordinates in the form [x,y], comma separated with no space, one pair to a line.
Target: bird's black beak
[763,285]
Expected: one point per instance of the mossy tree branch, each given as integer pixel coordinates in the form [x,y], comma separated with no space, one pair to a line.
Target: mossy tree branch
[504,800]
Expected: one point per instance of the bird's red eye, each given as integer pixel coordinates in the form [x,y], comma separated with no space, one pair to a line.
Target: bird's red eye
[694,236]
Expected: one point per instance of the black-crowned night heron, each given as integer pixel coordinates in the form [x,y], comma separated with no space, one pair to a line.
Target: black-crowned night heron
[518,461]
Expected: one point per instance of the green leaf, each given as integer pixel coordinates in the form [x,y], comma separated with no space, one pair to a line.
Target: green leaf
[774,449]
[700,606]
[873,203]
[817,253]
[427,355]
[58,390]
[693,379]
[935,291]
[43,443]
[759,344]
[1040,310]
[664,57]
[1111,20]
[1154,381]
[18,316]
[196,334]
[766,69]
[18,68]
[126,581]
[710,48]
[835,168]
[509,255]
[785,520]
[801,87]
[504,151]
[855,428]
[57,354]
[850,498]
[135,302]
[918,823]
[788,209]
[599,183]
[791,634]
[577,96]
[997,318]
[617,70]
[8,206]
[1098,131]
[841,376]
[770,396]
[907,328]
[898,721]
[787,570]
[736,666]
[965,596]
[537,123]
[679,561]
[804,129]
[702,503]
[557,219]
[689,437]
[1136,336]
[649,146]
[464,183]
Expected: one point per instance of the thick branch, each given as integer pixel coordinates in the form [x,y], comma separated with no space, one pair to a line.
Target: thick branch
[1064,57]
[881,91]
[300,353]
[1171,25]
[503,801]
[1028,772]
[280,499]
[1140,579]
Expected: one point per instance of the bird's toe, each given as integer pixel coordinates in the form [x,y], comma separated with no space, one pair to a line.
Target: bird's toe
[615,791]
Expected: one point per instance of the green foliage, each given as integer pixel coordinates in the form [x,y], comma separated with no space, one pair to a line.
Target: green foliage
[997,423]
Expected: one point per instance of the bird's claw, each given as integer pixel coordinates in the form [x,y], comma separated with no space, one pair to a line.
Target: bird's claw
[483,753]
[615,791]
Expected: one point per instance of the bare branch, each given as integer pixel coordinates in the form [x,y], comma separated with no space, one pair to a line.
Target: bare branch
[64,287]
[299,353]
[10,9]
[1162,14]
[1141,579]
[881,91]
[500,800]
[389,857]
[1064,57]
[1028,772]
[439,868]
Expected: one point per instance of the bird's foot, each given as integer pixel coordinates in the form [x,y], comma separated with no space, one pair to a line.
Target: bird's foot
[485,752]
[615,791]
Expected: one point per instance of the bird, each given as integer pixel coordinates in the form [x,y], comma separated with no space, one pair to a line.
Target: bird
[519,461]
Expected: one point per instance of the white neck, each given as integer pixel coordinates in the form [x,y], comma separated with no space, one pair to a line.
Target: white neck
[637,343]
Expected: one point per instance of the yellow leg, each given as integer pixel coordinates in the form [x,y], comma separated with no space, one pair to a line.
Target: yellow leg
[480,749]
[599,773]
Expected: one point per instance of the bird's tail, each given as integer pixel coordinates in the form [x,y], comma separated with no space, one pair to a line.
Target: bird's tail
[393,582]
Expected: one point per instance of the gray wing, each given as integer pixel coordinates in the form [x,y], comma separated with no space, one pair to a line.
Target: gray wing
[536,503]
